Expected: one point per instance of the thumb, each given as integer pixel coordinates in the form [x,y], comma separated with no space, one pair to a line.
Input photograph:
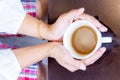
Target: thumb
[78,64]
[81,10]
[74,14]
[94,57]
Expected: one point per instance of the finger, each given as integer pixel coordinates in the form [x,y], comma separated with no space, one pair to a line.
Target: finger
[74,14]
[94,57]
[66,65]
[69,67]
[69,60]
[91,19]
[76,64]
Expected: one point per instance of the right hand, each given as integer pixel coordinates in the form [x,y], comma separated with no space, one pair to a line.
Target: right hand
[63,57]
[58,29]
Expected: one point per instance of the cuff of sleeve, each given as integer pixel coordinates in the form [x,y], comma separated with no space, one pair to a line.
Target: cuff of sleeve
[9,66]
[12,17]
[20,20]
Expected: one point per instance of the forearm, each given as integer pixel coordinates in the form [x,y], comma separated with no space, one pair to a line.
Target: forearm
[30,55]
[41,8]
[30,27]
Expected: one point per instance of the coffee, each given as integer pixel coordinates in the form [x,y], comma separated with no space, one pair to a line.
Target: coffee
[84,40]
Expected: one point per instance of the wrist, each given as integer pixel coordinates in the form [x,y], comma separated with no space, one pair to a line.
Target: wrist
[54,33]
[52,50]
[43,30]
[47,31]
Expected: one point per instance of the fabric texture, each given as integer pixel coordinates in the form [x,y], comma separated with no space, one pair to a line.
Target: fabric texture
[11,19]
[12,16]
[8,58]
[29,73]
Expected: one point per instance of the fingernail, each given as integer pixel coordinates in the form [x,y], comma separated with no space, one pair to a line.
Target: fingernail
[104,49]
[83,68]
[105,28]
[82,9]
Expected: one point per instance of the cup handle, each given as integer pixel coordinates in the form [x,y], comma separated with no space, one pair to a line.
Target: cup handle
[106,39]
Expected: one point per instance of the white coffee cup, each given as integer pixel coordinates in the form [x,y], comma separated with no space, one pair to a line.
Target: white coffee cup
[68,34]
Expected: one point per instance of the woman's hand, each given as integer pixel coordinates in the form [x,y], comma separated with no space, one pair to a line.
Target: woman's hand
[63,57]
[58,29]
[32,54]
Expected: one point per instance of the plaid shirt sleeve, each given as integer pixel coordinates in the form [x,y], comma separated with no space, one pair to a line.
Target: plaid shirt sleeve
[29,73]
[29,7]
[12,17]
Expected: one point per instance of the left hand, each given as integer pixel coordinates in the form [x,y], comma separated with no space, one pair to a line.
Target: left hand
[58,29]
[92,59]
[62,23]
[63,57]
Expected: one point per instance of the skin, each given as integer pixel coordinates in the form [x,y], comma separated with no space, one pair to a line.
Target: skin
[41,8]
[55,49]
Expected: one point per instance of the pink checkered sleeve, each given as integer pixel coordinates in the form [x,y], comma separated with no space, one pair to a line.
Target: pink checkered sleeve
[29,73]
